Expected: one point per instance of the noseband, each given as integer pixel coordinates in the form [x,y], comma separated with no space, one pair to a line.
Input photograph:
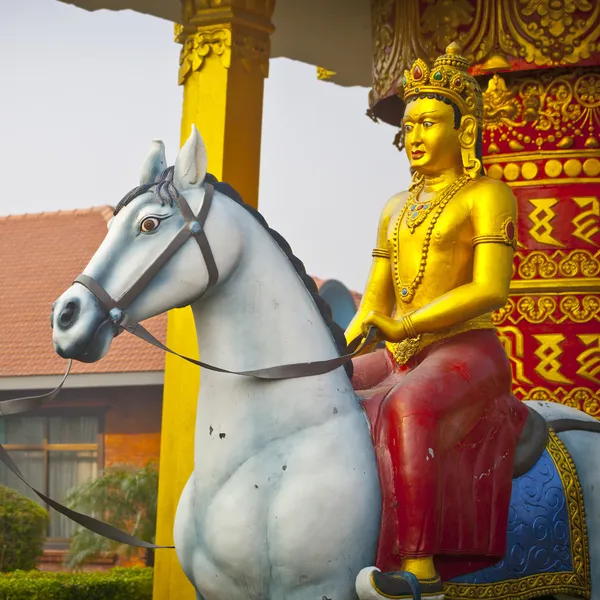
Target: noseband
[193,227]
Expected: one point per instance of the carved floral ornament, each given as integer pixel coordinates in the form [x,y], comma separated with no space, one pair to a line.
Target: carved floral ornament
[574,263]
[252,50]
[494,34]
[551,109]
[549,309]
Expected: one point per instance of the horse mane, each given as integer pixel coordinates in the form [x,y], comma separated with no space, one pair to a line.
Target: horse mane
[164,191]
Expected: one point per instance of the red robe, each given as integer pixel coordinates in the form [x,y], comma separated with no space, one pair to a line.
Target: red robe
[445,427]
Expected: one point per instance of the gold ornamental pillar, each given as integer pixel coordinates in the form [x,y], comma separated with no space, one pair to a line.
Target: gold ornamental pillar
[538,63]
[223,63]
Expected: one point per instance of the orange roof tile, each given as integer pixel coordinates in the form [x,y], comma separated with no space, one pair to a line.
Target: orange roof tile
[40,254]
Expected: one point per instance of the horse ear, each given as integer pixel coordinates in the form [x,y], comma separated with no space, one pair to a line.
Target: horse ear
[191,163]
[155,163]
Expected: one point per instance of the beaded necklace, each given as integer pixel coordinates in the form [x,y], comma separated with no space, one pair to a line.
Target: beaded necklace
[407,291]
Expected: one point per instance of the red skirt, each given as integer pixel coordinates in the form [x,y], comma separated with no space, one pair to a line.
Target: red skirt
[444,427]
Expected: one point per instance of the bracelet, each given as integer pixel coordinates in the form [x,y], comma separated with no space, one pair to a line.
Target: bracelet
[409,327]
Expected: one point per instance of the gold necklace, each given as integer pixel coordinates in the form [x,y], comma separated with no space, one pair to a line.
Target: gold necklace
[407,292]
[418,210]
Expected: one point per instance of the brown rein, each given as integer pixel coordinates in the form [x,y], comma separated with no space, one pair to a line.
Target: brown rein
[194,227]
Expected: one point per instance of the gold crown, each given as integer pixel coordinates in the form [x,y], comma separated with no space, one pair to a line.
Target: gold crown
[448,77]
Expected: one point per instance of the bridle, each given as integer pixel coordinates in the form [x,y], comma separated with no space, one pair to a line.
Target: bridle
[195,227]
[117,313]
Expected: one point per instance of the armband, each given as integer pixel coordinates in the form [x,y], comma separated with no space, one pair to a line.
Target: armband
[506,235]
[380,253]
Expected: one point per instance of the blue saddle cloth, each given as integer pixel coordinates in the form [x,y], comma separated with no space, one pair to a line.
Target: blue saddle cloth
[542,539]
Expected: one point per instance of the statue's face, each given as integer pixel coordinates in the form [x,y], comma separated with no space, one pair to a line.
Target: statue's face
[431,141]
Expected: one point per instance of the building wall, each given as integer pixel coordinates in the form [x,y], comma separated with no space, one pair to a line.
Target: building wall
[132,427]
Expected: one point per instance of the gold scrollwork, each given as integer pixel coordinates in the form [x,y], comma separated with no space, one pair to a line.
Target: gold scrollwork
[542,32]
[580,262]
[501,315]
[549,110]
[537,263]
[581,398]
[491,32]
[543,309]
[573,263]
[549,353]
[537,310]
[580,310]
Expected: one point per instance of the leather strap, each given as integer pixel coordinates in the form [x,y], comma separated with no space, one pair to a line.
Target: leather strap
[15,406]
[196,228]
[104,529]
[289,371]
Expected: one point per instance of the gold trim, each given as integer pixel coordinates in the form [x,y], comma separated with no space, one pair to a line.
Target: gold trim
[568,285]
[561,180]
[405,350]
[494,239]
[575,582]
[537,156]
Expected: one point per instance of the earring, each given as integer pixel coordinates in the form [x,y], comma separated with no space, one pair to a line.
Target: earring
[471,164]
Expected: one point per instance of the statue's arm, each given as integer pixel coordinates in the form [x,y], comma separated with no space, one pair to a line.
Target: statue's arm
[379,291]
[493,218]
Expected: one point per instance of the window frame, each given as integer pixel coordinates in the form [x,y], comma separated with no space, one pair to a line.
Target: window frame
[58,543]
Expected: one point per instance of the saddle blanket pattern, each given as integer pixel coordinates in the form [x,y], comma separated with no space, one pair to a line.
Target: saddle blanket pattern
[546,548]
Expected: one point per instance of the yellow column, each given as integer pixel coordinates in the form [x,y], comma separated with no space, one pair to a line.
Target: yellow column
[223,63]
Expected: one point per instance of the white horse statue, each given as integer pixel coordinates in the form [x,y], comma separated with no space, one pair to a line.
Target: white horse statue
[284,499]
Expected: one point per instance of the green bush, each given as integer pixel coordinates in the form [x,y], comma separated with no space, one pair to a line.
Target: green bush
[116,584]
[23,525]
[124,496]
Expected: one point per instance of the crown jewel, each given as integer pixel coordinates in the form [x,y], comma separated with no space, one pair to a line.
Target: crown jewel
[448,77]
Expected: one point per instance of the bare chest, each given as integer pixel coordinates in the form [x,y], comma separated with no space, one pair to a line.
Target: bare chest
[419,225]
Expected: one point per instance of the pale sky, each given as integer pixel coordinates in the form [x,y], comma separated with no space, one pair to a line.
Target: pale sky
[83,94]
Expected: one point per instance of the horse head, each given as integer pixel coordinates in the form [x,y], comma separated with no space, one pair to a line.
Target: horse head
[155,256]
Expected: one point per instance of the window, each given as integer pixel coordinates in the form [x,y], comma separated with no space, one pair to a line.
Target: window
[55,454]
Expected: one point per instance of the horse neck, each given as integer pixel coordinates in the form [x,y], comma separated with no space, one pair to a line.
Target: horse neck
[263,314]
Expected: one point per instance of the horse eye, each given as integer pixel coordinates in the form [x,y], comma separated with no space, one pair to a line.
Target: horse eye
[149,224]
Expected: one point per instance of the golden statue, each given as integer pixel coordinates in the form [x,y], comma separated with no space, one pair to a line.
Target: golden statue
[443,419]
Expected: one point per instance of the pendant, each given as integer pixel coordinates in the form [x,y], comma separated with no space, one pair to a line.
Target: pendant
[416,214]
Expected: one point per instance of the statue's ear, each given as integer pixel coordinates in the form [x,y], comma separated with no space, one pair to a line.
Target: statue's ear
[468,131]
[191,163]
[155,163]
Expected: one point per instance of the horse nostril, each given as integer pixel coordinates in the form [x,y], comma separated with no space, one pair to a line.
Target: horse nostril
[68,314]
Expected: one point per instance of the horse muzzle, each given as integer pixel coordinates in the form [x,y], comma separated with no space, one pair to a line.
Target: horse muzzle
[81,328]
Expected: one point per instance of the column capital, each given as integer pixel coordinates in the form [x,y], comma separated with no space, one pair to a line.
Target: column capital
[226,29]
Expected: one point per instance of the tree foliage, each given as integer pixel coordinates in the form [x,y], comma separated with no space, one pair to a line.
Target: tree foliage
[124,496]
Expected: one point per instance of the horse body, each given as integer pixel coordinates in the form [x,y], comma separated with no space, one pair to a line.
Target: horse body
[284,500]
[284,497]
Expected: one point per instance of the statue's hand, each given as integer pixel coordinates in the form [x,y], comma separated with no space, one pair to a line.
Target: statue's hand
[387,328]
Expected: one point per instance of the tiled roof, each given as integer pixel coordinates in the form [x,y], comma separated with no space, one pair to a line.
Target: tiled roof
[40,255]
